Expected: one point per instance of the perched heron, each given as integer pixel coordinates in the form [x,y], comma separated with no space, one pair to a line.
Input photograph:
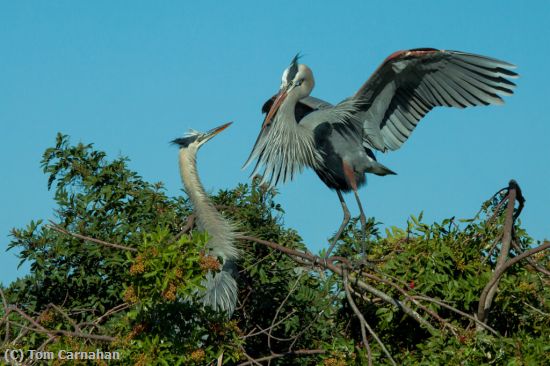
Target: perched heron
[221,287]
[337,141]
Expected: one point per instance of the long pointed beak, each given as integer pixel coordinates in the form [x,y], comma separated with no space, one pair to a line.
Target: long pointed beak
[275,107]
[213,132]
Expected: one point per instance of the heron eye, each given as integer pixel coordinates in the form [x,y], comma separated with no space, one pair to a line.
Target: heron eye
[299,82]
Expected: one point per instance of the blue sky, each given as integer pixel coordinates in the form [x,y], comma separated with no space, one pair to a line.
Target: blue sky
[131,75]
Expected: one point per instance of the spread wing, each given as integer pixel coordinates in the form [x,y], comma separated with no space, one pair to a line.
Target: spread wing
[409,84]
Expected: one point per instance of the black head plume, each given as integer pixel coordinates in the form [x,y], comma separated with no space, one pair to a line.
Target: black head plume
[293,68]
[185,141]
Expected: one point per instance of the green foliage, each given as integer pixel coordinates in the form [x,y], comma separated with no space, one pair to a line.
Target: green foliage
[95,198]
[143,298]
[160,273]
[451,262]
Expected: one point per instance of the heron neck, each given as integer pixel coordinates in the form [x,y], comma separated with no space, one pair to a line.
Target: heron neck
[287,109]
[208,218]
[192,183]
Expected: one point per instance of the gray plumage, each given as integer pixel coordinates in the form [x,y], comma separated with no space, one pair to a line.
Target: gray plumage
[337,142]
[220,287]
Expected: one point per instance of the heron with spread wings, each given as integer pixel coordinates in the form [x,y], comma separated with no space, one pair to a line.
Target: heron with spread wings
[337,141]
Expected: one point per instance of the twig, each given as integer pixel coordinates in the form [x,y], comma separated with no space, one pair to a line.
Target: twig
[43,345]
[301,352]
[545,245]
[328,263]
[260,331]
[265,257]
[371,331]
[486,258]
[305,329]
[60,229]
[250,359]
[362,322]
[112,311]
[64,314]
[58,332]
[292,289]
[27,317]
[452,308]
[243,301]
[531,262]
[37,327]
[325,308]
[5,304]
[185,229]
[535,309]
[498,207]
[497,274]
[492,197]
[412,299]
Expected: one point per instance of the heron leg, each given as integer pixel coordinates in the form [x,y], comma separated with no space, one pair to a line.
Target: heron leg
[343,225]
[350,176]
[363,219]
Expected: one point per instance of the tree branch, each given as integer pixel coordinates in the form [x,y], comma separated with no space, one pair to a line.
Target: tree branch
[362,321]
[5,305]
[61,230]
[503,264]
[329,263]
[533,263]
[301,352]
[37,327]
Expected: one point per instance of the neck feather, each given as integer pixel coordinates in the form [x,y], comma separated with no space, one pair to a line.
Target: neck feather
[221,231]
[285,147]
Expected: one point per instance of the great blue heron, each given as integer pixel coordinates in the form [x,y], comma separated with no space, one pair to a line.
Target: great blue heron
[221,287]
[338,141]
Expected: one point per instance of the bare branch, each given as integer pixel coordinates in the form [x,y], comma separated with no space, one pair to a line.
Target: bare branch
[292,289]
[271,326]
[251,361]
[329,263]
[64,314]
[61,230]
[188,226]
[59,332]
[533,263]
[37,327]
[362,321]
[301,352]
[5,305]
[488,293]
[530,252]
[112,311]
[497,274]
[413,300]
[452,308]
[503,264]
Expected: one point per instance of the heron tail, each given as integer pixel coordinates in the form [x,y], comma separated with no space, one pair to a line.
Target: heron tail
[221,291]
[379,169]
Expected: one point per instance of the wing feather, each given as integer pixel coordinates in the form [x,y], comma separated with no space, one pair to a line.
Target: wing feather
[420,80]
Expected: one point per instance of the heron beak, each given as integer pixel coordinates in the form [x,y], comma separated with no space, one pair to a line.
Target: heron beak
[275,107]
[213,132]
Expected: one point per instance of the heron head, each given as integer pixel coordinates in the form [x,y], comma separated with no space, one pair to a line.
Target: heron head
[297,81]
[195,139]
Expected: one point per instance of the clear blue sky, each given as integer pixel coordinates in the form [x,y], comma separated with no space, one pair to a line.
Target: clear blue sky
[131,75]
